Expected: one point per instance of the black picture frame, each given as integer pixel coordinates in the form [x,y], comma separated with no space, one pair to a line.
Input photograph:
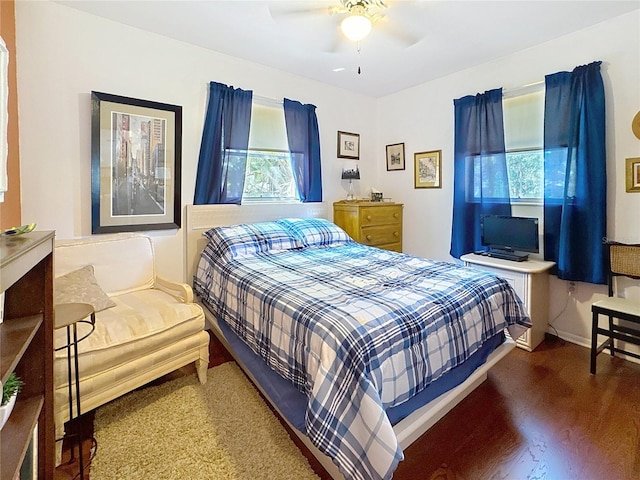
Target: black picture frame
[395,157]
[136,164]
[349,145]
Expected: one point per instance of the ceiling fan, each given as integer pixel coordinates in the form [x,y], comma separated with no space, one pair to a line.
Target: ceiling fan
[362,14]
[359,15]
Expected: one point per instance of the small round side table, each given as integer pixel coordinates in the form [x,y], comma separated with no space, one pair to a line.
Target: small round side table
[69,315]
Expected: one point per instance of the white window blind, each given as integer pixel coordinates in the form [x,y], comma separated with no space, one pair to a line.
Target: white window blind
[268,131]
[524,121]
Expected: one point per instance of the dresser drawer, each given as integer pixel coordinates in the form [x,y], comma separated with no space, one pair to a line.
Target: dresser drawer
[382,215]
[381,234]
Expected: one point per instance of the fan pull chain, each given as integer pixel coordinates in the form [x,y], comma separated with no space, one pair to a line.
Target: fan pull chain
[358,49]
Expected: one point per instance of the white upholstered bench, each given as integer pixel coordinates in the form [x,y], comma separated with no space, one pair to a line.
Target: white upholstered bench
[145,327]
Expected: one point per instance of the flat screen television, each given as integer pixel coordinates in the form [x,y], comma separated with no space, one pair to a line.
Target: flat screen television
[506,235]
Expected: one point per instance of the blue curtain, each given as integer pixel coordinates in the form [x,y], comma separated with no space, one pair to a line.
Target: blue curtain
[575,192]
[223,151]
[481,184]
[304,145]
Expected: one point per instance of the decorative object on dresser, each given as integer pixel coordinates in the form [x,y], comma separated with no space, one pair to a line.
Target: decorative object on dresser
[428,169]
[350,174]
[530,280]
[376,196]
[26,339]
[395,157]
[133,187]
[349,145]
[632,174]
[376,224]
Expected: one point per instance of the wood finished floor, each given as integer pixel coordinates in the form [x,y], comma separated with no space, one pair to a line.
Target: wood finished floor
[539,415]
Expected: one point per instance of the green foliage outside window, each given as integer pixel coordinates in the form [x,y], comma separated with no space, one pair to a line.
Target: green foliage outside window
[526,174]
[269,176]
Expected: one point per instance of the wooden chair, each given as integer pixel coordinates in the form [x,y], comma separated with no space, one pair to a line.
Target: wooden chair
[623,313]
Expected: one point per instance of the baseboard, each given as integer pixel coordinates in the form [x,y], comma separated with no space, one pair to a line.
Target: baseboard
[583,342]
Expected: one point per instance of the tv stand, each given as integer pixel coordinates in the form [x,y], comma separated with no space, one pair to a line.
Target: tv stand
[530,280]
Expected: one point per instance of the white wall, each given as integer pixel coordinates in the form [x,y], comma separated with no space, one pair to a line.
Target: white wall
[64,54]
[422,117]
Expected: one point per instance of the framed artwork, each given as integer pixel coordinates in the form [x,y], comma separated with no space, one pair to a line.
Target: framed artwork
[395,157]
[349,145]
[428,169]
[135,164]
[633,174]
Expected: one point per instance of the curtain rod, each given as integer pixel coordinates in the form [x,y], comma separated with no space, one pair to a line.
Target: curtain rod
[268,101]
[523,90]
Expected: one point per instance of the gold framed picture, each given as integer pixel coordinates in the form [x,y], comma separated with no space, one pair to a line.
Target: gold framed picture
[428,169]
[633,174]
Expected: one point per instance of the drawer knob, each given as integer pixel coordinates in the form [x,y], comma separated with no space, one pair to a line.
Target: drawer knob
[396,215]
[369,217]
[396,234]
[369,237]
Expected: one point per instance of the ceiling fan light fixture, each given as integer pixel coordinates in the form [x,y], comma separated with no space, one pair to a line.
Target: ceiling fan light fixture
[356,26]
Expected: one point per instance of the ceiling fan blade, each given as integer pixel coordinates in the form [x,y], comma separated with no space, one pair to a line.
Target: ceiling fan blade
[403,35]
[280,11]
[336,41]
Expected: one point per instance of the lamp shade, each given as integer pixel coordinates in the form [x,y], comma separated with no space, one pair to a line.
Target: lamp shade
[350,174]
[355,27]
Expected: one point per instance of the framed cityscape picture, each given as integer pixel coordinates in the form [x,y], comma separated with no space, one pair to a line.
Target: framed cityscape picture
[135,164]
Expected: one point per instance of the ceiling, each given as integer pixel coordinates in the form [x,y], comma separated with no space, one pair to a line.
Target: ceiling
[416,41]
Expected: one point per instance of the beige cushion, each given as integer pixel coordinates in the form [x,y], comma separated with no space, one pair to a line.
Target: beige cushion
[81,286]
[141,322]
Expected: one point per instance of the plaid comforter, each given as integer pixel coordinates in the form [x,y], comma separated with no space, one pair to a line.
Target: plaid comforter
[358,330]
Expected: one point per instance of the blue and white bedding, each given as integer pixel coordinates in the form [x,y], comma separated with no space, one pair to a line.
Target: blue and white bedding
[356,329]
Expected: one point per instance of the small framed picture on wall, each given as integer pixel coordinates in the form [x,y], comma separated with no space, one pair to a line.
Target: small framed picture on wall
[349,145]
[428,169]
[395,157]
[633,174]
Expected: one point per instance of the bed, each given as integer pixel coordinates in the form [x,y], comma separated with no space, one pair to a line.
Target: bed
[360,350]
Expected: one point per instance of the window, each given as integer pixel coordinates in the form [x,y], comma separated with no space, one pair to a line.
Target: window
[268,174]
[524,139]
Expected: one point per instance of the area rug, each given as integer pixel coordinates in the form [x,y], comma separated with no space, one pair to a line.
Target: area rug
[184,430]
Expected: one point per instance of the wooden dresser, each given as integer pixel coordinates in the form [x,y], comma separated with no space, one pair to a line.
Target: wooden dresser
[377,224]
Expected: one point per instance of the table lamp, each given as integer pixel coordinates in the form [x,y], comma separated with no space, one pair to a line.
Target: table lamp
[350,174]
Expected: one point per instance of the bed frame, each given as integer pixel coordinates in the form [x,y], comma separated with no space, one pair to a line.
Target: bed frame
[202,217]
